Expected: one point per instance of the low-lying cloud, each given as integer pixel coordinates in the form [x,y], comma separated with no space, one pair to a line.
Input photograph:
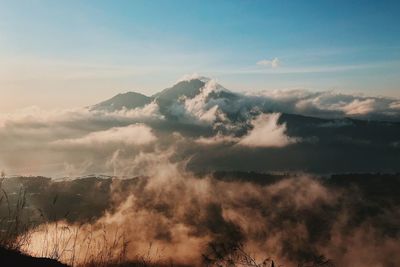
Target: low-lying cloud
[215,126]
[267,132]
[329,104]
[135,134]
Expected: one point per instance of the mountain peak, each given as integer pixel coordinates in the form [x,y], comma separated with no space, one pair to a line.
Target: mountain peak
[129,100]
[187,88]
[194,76]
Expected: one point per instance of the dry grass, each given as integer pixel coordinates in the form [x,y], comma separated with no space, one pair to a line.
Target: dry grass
[14,225]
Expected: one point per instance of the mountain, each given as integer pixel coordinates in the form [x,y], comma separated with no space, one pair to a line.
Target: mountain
[329,132]
[229,102]
[165,98]
[184,88]
[129,100]
[173,102]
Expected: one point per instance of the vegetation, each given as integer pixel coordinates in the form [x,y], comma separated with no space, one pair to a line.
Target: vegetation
[17,218]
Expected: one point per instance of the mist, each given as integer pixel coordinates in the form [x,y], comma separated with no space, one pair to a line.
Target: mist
[197,175]
[171,216]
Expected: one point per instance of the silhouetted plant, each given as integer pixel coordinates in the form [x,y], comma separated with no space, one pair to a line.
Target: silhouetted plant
[232,254]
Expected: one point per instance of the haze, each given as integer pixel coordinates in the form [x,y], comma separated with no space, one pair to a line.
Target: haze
[75,53]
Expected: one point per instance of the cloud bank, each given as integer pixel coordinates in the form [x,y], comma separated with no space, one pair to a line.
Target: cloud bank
[330,104]
[135,134]
[215,127]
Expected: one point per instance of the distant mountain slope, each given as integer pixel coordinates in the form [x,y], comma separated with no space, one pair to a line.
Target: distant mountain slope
[129,100]
[184,88]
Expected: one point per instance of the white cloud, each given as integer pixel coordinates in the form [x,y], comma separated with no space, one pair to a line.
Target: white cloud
[149,111]
[267,133]
[135,134]
[199,107]
[359,107]
[64,138]
[274,63]
[395,105]
[217,139]
[193,76]
[331,104]
[34,115]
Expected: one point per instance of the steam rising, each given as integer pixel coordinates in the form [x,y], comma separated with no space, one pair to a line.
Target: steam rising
[173,216]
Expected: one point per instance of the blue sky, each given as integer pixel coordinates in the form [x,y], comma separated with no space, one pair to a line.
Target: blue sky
[72,53]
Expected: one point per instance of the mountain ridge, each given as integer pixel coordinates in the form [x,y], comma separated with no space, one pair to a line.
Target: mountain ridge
[317,105]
